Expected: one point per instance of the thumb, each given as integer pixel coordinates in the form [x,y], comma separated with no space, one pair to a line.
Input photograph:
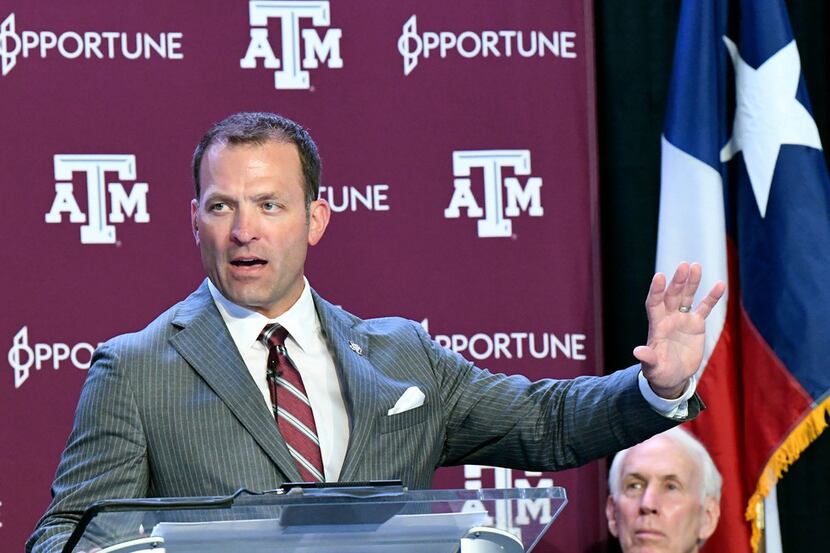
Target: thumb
[646,356]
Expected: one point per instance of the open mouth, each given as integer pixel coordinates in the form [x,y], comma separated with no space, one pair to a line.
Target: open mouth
[248,262]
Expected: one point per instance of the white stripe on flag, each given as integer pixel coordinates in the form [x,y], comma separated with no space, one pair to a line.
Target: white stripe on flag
[692,228]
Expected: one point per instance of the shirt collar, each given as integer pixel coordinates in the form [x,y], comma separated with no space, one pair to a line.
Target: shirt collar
[244,325]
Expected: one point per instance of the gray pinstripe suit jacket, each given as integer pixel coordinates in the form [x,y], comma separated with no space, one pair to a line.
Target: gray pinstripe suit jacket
[172,411]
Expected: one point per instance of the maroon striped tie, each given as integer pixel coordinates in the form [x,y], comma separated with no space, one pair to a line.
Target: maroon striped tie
[289,402]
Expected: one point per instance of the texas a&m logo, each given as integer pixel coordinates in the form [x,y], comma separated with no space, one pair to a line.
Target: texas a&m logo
[503,197]
[107,202]
[295,55]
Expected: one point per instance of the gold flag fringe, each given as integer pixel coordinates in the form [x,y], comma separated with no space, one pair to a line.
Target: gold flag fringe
[810,428]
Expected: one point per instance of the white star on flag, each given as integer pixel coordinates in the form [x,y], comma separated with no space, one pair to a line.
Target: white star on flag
[767,115]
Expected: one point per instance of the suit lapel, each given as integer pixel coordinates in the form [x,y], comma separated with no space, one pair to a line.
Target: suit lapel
[204,342]
[350,349]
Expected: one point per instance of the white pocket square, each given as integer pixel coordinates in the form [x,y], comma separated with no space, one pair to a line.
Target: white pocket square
[411,398]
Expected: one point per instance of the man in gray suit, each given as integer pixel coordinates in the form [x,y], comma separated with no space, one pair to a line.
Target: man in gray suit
[184,408]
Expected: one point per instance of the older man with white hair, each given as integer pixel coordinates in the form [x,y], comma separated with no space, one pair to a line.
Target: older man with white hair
[664,495]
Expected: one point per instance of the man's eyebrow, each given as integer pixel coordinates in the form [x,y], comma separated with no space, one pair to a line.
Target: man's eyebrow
[265,196]
[213,196]
[670,476]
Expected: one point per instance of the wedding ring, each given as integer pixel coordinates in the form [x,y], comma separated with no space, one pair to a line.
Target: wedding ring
[685,308]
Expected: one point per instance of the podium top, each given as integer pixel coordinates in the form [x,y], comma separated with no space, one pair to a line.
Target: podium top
[362,518]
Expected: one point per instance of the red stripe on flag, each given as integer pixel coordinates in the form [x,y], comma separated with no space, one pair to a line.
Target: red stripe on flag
[752,403]
[720,428]
[774,401]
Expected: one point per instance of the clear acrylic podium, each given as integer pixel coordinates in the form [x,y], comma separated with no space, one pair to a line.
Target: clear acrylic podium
[370,518]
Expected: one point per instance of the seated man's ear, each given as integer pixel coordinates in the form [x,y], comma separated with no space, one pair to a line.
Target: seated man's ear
[611,515]
[711,515]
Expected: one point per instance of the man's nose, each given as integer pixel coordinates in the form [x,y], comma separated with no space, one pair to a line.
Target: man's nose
[649,501]
[244,227]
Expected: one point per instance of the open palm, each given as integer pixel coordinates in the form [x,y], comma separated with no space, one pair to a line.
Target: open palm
[674,348]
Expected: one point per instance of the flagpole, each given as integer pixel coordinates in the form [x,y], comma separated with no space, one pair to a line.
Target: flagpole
[772,526]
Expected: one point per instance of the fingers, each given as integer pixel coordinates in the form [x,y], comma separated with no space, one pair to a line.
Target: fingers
[677,288]
[681,291]
[708,303]
[687,298]
[655,291]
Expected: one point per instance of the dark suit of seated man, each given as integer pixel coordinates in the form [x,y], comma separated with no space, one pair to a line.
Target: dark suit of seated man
[186,406]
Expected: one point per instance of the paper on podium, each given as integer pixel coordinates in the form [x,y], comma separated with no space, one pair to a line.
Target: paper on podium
[436,533]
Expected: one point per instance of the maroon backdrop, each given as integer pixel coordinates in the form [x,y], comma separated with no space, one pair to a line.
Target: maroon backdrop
[459,154]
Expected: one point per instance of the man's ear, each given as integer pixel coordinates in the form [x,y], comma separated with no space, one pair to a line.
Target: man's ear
[194,219]
[319,213]
[711,515]
[611,515]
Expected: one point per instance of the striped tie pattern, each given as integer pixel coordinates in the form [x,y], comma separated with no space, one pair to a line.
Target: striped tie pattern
[289,402]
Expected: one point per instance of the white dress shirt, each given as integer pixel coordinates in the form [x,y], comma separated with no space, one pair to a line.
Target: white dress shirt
[671,408]
[309,351]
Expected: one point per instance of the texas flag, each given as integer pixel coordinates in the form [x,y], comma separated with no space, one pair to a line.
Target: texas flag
[745,191]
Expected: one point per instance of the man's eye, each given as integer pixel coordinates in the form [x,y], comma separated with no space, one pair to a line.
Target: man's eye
[218,206]
[633,486]
[269,206]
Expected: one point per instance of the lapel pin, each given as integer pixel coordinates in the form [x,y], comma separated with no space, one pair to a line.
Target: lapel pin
[355,348]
